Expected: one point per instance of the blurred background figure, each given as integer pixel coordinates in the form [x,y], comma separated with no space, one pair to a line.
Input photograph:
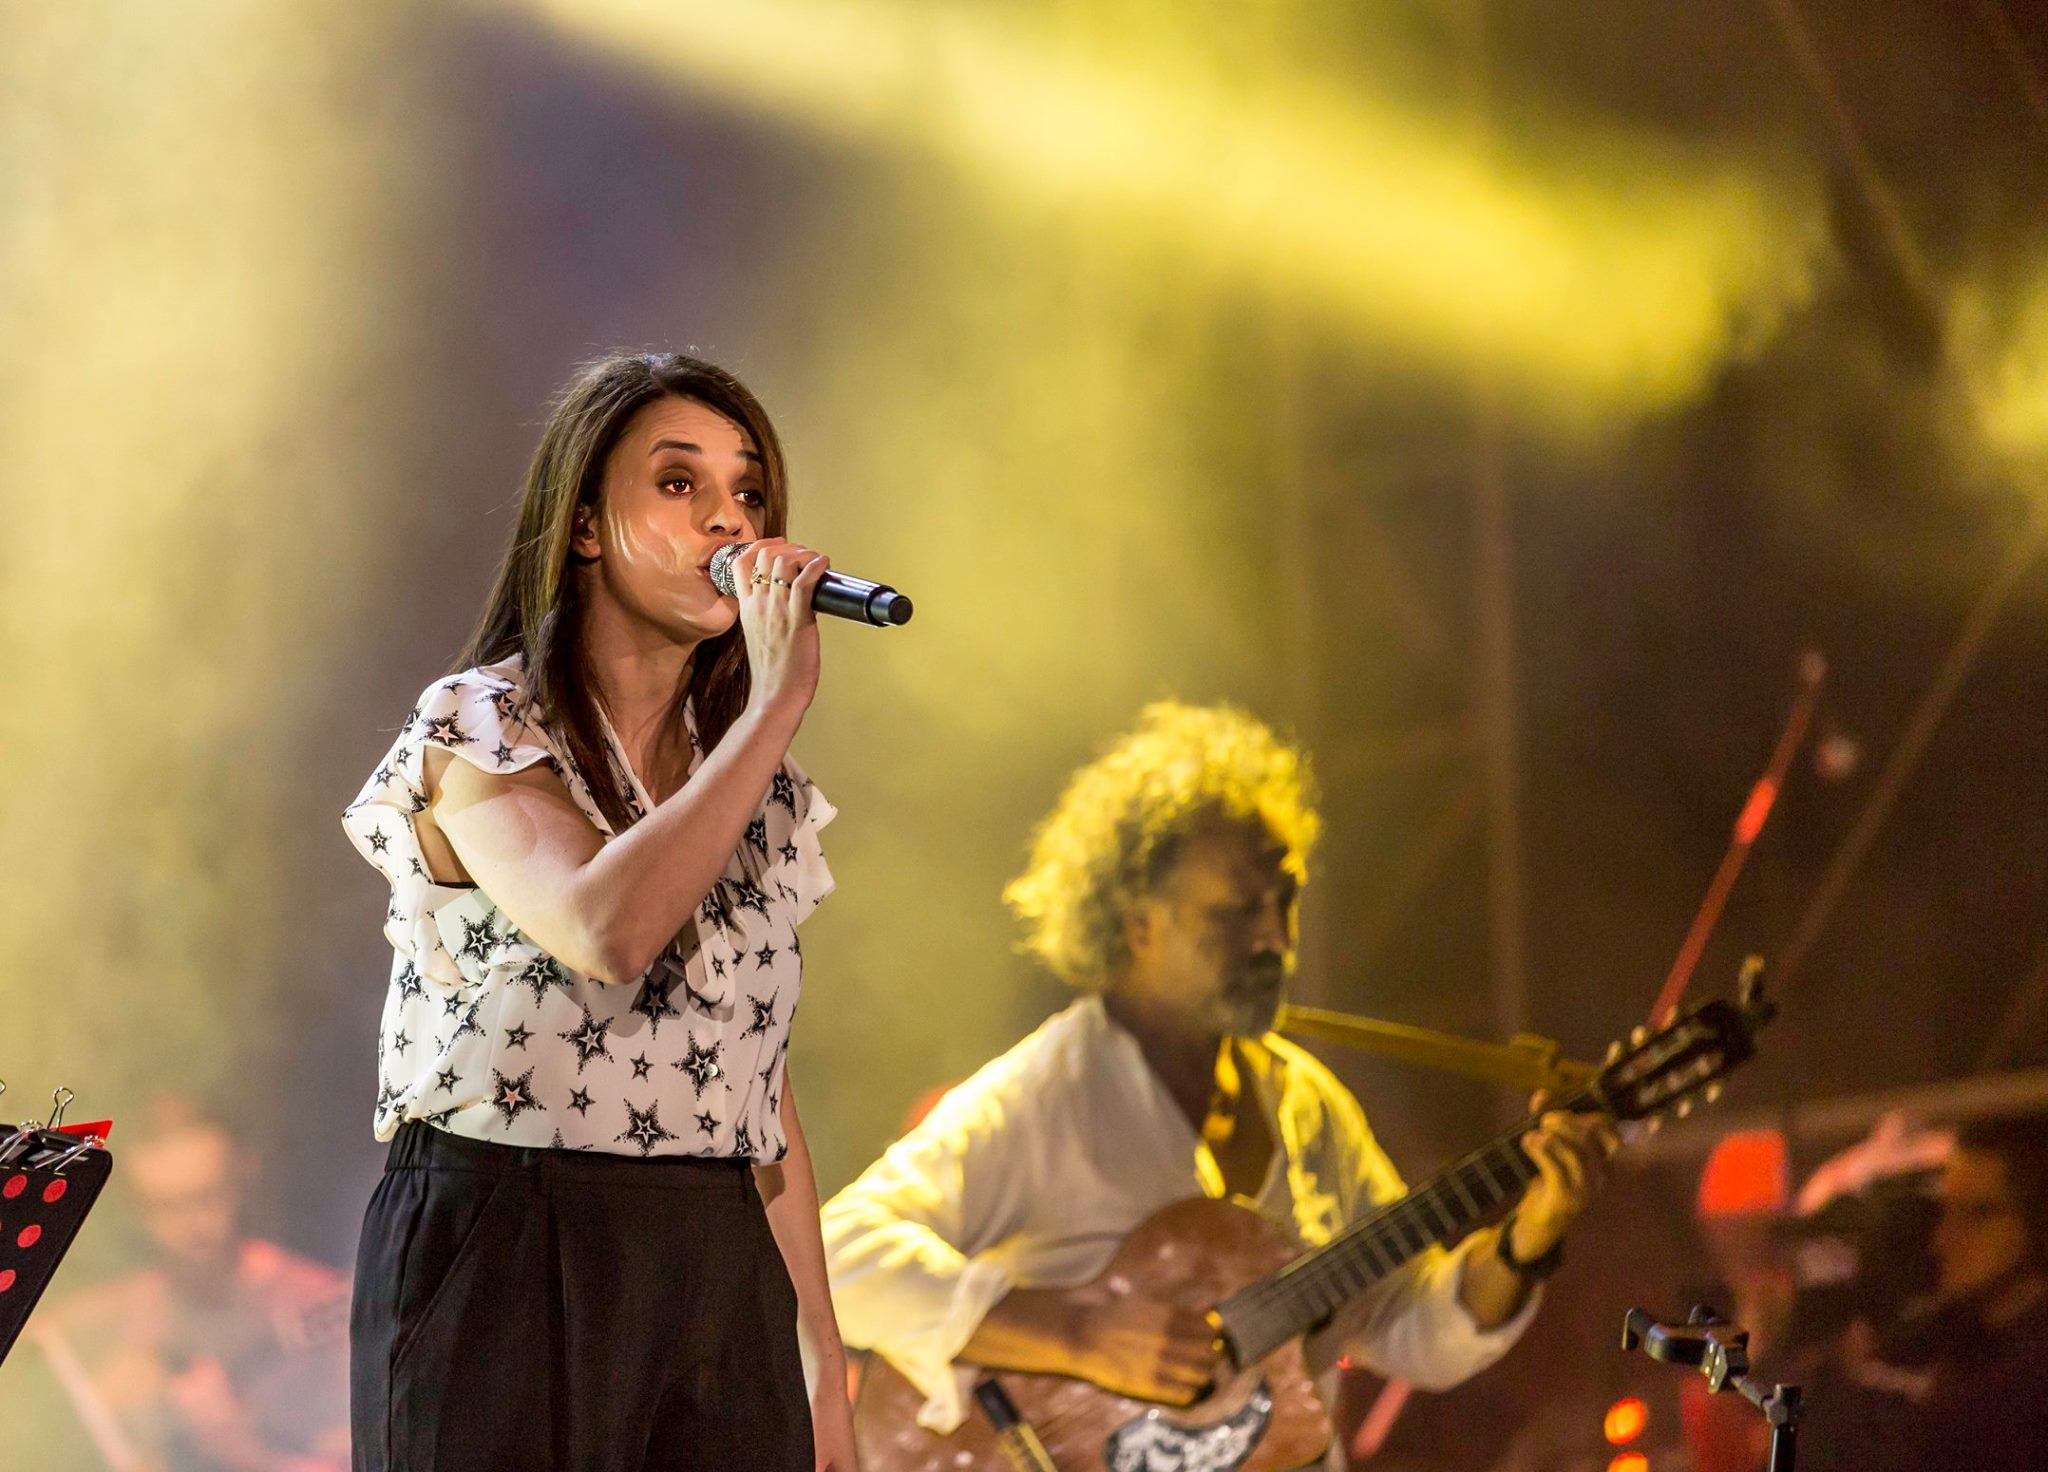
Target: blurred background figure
[224,1352]
[1984,1339]
[1906,1291]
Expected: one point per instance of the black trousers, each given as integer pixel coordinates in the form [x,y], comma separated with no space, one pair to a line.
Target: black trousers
[560,1311]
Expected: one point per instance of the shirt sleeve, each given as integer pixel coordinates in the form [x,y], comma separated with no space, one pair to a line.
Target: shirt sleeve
[1412,1325]
[903,1243]
[478,717]
[811,877]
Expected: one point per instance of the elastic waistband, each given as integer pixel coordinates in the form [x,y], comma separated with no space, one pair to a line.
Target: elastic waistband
[419,1146]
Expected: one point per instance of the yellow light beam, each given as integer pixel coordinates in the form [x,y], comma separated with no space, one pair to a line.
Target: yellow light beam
[1610,276]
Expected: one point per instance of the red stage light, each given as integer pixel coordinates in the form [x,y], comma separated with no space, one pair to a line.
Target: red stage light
[1625,1421]
[1747,1172]
[1629,1462]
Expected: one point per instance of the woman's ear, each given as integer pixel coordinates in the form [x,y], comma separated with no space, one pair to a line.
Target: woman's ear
[583,540]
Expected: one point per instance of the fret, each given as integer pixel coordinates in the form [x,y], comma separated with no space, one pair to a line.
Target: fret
[1450,1225]
[1493,1177]
[1472,1206]
[1369,1244]
[1483,1179]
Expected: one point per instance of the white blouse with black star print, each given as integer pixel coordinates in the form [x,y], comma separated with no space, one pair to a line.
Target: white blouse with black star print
[485,1034]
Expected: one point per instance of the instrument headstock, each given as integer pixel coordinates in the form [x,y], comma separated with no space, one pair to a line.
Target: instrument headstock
[1664,1070]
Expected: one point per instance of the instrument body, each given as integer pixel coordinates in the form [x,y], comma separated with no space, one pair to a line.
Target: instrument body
[1195,1253]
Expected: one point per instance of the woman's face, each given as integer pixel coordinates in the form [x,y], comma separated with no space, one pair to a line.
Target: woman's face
[682,481]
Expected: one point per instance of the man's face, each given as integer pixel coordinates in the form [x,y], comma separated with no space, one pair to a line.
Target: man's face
[191,1199]
[1981,1236]
[1214,942]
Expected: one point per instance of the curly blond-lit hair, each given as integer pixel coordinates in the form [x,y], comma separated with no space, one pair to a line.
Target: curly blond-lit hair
[1117,827]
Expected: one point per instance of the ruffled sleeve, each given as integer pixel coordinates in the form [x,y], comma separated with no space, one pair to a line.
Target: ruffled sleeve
[482,716]
[809,875]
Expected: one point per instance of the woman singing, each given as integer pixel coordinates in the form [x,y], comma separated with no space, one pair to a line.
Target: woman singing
[597,1226]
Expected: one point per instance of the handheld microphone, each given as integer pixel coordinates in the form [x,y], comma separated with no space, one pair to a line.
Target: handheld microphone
[837,593]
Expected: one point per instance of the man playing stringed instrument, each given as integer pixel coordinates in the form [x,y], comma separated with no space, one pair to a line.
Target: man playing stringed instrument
[1164,886]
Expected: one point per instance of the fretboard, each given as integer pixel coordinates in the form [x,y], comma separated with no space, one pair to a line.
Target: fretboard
[1310,1290]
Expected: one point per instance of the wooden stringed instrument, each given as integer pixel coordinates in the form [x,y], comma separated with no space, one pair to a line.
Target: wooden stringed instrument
[1264,1414]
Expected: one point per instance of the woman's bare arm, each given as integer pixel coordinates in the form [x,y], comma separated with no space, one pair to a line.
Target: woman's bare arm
[790,1190]
[606,909]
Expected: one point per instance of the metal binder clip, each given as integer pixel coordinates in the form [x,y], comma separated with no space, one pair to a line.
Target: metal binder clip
[12,1145]
[60,1100]
[90,1142]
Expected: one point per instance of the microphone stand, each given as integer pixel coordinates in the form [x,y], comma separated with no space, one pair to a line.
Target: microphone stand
[1721,1353]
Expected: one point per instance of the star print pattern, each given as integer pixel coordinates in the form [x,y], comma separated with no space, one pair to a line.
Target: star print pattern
[589,1040]
[643,1127]
[653,1002]
[750,896]
[445,730]
[512,1097]
[701,1064]
[517,1047]
[541,973]
[479,938]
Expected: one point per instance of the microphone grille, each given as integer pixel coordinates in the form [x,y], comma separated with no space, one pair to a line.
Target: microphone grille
[721,568]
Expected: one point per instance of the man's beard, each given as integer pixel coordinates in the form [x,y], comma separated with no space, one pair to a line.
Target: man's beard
[1250,1000]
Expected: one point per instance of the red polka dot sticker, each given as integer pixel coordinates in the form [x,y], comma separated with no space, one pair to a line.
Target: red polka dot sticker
[14,1187]
[30,1235]
[54,1191]
[6,1279]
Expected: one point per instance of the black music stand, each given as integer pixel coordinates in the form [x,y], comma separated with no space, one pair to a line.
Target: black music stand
[49,1180]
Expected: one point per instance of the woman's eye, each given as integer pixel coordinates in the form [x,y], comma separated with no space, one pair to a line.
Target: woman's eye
[752,498]
[676,485]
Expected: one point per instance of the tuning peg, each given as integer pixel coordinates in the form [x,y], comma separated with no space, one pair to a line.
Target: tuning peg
[1613,1050]
[1653,1124]
[1713,1091]
[1682,1108]
[1636,1036]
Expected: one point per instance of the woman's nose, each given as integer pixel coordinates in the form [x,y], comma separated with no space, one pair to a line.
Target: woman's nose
[722,514]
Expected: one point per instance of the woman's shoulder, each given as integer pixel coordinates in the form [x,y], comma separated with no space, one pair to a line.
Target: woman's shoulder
[487,713]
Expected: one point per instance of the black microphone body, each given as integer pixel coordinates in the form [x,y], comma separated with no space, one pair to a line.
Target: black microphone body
[838,594]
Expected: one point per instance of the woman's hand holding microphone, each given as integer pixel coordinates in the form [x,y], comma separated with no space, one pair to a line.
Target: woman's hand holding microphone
[774,581]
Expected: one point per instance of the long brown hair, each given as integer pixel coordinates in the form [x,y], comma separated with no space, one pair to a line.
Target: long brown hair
[533,609]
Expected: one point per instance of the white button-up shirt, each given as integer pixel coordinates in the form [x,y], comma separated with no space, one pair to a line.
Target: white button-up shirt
[487,1035]
[1033,1172]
